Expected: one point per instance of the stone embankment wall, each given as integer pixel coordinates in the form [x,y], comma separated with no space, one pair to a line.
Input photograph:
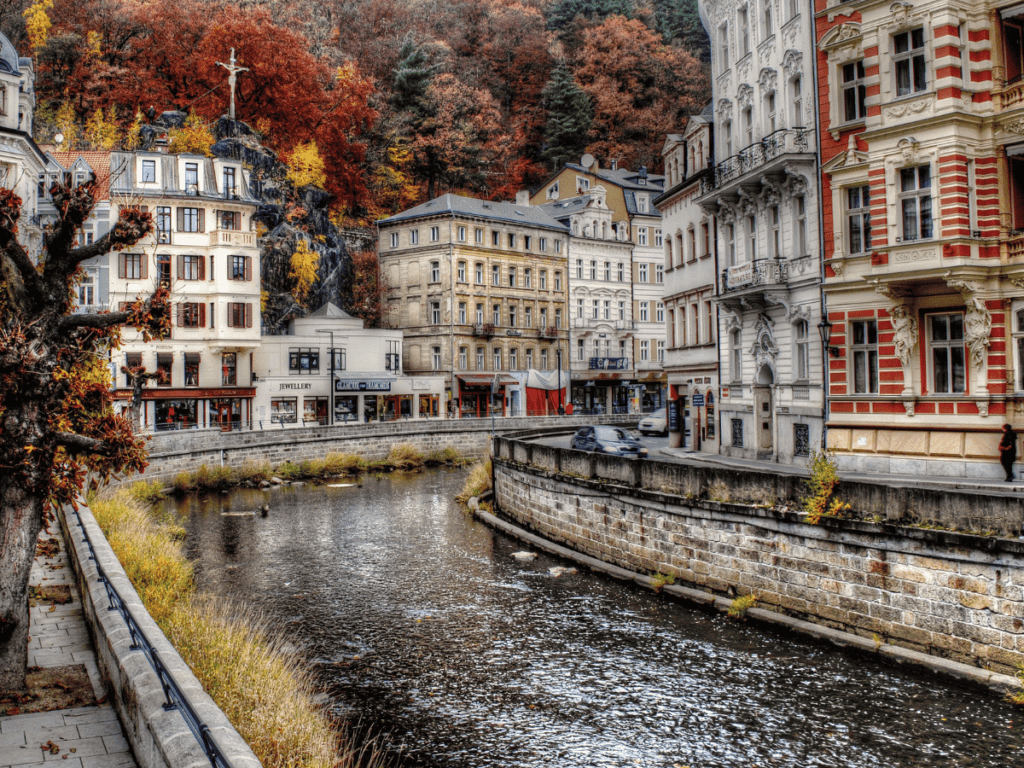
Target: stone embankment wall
[160,738]
[184,451]
[952,595]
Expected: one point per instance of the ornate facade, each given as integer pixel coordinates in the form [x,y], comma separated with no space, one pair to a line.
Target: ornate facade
[925,292]
[763,191]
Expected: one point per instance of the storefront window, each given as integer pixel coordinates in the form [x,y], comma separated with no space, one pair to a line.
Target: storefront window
[176,414]
[345,409]
[227,413]
[428,405]
[229,366]
[709,408]
[283,411]
[314,410]
[164,367]
[191,370]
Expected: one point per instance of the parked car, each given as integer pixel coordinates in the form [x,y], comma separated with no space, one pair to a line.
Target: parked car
[611,440]
[655,423]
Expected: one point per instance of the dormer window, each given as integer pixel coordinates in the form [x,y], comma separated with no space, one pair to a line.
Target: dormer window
[230,190]
[3,101]
[553,191]
[641,204]
[192,178]
[148,172]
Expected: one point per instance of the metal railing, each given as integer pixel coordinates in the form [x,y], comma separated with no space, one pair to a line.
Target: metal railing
[174,699]
[781,142]
[753,273]
[609,363]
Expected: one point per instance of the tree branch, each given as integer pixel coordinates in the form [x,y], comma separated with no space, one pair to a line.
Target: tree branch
[106,320]
[76,444]
[16,254]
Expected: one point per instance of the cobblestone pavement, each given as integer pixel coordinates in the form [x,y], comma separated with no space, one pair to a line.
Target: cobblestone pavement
[86,737]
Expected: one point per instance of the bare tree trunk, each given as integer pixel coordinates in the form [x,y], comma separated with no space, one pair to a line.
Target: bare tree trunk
[21,519]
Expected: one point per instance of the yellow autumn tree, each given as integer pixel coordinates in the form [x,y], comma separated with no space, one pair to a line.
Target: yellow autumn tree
[68,126]
[306,166]
[132,140]
[102,132]
[304,263]
[37,23]
[194,137]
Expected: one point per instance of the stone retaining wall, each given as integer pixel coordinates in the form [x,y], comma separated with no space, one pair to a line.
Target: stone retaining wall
[174,452]
[952,595]
[159,738]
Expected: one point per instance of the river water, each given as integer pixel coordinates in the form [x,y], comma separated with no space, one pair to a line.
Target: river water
[421,625]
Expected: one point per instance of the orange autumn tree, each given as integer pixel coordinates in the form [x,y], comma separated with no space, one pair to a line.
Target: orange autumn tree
[57,426]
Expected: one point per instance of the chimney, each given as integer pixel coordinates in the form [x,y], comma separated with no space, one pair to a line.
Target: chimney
[615,165]
[523,197]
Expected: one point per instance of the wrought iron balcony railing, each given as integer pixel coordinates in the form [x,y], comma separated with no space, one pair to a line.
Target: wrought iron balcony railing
[782,142]
[752,273]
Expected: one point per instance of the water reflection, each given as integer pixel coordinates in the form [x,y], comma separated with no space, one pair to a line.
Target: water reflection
[419,620]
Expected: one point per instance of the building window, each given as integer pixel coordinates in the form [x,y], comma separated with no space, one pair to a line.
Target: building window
[727,137]
[802,370]
[478,236]
[414,236]
[858,219]
[191,315]
[641,236]
[528,278]
[582,184]
[479,269]
[730,245]
[660,312]
[659,273]
[622,310]
[908,59]
[496,314]
[800,225]
[394,239]
[552,193]
[512,316]
[544,317]
[661,351]
[737,433]
[558,281]
[163,269]
[511,240]
[148,171]
[543,359]
[463,358]
[231,220]
[496,356]
[435,272]
[190,267]
[770,118]
[283,410]
[751,238]
[723,47]
[766,20]
[774,235]
[596,309]
[192,178]
[659,239]
[864,349]
[479,314]
[340,361]
[528,317]
[743,30]
[948,353]
[645,311]
[435,358]
[462,271]
[435,234]
[435,312]
[496,239]
[131,266]
[462,313]
[580,351]
[513,359]
[916,202]
[393,357]
[735,357]
[495,275]
[511,277]
[239,315]
[558,246]
[579,269]
[190,219]
[796,92]
[644,273]
[854,91]
[748,125]
[558,318]
[543,279]
[542,244]
[239,268]
[228,177]
[303,360]
[480,359]
[462,234]
[593,270]
[801,440]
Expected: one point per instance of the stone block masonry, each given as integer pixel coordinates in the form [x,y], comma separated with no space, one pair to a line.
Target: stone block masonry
[951,595]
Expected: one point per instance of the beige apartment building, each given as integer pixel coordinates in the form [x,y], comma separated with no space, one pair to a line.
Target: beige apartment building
[479,289]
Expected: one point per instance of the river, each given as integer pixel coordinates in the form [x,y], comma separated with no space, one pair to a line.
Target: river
[423,627]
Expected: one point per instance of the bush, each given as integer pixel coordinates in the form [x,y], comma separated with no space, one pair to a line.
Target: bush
[739,607]
[405,456]
[147,491]
[289,471]
[216,479]
[342,464]
[478,482]
[819,501]
[445,456]
[184,482]
[254,472]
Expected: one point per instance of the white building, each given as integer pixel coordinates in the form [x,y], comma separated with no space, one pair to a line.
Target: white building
[764,193]
[691,268]
[204,250]
[330,369]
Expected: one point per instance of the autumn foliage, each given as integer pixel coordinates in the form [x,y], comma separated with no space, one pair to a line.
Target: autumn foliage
[403,99]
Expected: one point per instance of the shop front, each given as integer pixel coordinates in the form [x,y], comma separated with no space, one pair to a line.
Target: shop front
[477,390]
[165,409]
[607,393]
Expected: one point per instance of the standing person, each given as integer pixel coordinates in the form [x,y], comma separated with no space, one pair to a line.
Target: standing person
[1008,450]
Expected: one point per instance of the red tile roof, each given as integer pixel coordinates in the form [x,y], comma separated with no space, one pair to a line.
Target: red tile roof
[98,161]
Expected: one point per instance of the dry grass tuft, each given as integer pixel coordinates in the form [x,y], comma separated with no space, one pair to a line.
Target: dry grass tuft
[405,456]
[479,481]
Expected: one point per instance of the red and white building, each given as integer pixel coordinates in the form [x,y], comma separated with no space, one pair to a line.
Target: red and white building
[921,114]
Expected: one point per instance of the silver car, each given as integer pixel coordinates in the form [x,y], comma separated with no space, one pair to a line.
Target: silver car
[656,423]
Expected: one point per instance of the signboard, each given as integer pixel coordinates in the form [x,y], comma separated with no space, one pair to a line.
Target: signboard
[741,274]
[725,393]
[673,416]
[698,400]
[292,385]
[362,385]
[513,333]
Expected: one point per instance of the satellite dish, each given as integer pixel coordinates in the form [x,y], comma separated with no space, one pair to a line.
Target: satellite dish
[58,138]
[587,160]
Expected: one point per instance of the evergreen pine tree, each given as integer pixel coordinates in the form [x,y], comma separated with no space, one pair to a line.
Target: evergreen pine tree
[679,21]
[570,113]
[412,78]
[564,12]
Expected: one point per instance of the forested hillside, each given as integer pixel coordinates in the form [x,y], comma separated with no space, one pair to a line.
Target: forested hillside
[404,99]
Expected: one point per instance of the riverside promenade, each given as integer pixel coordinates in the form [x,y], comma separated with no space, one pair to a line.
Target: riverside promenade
[79,737]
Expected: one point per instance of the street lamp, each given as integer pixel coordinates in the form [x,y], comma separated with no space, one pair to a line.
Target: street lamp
[558,357]
[825,331]
[330,397]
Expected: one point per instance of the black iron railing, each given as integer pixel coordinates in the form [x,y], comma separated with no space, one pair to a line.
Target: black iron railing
[781,142]
[174,699]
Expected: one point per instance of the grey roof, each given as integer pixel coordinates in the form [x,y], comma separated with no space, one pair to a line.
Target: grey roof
[709,110]
[122,177]
[565,208]
[622,177]
[484,209]
[330,310]
[8,57]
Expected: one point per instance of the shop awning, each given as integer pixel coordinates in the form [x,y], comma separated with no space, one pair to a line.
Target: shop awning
[485,379]
[652,376]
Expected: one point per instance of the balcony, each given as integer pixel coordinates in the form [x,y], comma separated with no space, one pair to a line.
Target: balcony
[548,333]
[609,364]
[233,237]
[755,273]
[484,330]
[625,325]
[785,141]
